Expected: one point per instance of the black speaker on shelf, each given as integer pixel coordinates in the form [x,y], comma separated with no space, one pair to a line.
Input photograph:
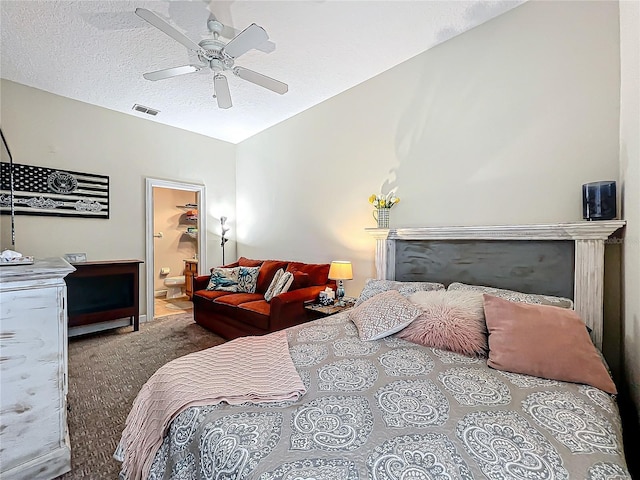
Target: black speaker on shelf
[599,200]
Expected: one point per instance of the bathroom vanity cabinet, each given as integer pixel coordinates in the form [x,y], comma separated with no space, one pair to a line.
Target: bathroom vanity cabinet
[190,271]
[103,291]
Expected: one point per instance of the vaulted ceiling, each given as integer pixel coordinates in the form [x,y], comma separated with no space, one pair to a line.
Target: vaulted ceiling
[96,52]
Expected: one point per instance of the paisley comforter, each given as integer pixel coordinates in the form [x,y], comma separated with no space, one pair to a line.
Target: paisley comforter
[390,409]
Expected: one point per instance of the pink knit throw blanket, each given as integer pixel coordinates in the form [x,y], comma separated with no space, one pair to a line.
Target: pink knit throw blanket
[248,369]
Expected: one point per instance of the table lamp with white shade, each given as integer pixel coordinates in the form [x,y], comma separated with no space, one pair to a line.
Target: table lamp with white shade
[340,270]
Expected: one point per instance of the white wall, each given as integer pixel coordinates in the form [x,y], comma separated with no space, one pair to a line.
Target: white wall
[502,124]
[630,176]
[52,131]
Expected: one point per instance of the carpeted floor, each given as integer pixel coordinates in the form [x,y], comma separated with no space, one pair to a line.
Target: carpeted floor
[106,371]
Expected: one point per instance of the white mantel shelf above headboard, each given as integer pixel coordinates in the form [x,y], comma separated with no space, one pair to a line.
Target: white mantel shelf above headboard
[553,231]
[589,238]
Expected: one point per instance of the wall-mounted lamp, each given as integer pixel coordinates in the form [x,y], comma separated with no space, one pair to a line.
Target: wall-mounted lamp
[340,270]
[224,228]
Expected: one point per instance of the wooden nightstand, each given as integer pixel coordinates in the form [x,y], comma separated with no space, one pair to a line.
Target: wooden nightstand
[190,271]
[316,310]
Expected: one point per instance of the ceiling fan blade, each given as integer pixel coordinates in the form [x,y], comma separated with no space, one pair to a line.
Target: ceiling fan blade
[266,47]
[171,72]
[251,37]
[221,91]
[230,32]
[163,26]
[262,80]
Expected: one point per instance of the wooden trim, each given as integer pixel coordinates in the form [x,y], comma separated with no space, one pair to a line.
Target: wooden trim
[589,286]
[553,231]
[201,192]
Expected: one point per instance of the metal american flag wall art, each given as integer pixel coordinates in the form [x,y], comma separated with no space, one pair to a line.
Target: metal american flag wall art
[54,192]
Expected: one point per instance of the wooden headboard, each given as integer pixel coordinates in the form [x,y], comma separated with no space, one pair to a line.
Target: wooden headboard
[562,259]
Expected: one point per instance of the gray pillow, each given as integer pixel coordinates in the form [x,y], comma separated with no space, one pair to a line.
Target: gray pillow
[514,296]
[373,287]
[383,315]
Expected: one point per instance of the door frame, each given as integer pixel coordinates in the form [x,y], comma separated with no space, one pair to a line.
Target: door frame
[201,224]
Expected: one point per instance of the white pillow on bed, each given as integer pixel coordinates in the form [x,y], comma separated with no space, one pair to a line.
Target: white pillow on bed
[514,296]
[374,286]
[383,315]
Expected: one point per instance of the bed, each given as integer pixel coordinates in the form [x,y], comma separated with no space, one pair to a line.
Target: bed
[389,408]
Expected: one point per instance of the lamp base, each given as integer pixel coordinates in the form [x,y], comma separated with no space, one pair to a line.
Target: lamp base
[340,294]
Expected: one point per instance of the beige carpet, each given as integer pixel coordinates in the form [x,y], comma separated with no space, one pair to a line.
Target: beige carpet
[106,371]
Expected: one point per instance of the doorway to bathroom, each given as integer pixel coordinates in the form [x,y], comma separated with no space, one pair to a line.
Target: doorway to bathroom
[175,226]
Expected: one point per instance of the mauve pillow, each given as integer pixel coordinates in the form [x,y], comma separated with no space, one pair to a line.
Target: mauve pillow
[543,341]
[451,321]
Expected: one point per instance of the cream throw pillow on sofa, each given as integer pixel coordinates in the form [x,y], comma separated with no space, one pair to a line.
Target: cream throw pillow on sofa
[280,284]
[268,295]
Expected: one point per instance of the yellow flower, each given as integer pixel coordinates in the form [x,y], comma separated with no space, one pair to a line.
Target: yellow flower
[383,201]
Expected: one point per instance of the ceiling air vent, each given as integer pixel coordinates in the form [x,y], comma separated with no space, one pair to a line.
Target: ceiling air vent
[147,110]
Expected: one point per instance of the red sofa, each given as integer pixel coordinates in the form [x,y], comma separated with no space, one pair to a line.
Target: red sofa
[233,315]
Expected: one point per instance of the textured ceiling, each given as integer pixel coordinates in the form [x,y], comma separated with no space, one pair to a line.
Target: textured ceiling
[96,52]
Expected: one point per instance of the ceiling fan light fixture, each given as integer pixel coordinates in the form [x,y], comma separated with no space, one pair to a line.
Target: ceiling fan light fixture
[216,65]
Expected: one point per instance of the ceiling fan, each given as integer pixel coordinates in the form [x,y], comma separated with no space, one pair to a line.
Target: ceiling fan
[217,55]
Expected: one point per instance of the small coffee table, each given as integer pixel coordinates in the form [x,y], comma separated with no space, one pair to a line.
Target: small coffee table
[317,310]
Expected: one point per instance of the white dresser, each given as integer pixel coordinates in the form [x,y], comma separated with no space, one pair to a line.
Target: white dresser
[34,437]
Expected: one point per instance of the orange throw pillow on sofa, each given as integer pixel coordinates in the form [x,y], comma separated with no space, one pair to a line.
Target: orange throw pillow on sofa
[543,341]
[267,271]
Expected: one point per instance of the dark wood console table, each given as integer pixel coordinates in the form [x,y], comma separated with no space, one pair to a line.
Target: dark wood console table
[103,290]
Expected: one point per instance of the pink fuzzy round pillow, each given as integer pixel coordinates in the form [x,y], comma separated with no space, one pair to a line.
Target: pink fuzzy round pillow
[452,320]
